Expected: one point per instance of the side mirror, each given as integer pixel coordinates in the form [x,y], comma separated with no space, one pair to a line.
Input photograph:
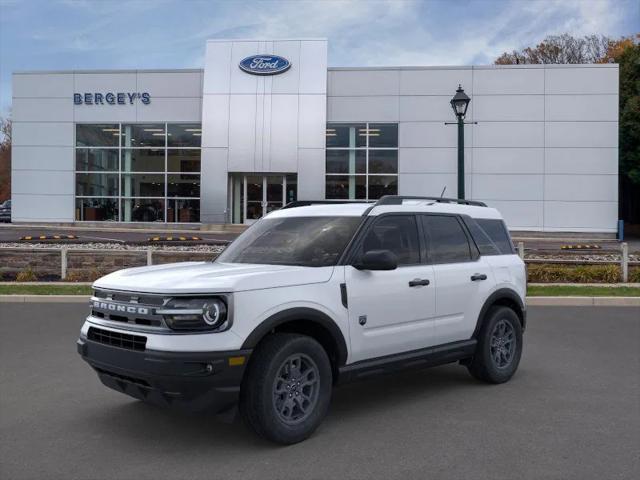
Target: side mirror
[377,260]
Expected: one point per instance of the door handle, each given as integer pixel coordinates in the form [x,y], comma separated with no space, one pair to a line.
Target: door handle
[478,276]
[419,282]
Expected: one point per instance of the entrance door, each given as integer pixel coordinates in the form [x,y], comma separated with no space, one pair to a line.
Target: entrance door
[254,195]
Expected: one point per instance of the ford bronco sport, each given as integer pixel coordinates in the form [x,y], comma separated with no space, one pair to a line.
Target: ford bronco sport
[310,296]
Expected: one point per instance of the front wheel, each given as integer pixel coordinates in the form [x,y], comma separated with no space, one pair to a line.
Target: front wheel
[499,347]
[287,389]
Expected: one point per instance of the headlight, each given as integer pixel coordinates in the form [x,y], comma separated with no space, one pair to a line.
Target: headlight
[196,314]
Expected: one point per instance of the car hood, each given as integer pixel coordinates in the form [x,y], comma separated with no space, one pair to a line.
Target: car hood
[209,277]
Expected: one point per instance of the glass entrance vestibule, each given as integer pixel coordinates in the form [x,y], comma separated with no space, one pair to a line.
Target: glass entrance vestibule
[253,195]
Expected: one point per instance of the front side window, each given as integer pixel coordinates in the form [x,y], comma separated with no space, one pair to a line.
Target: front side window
[361,160]
[303,241]
[446,240]
[396,233]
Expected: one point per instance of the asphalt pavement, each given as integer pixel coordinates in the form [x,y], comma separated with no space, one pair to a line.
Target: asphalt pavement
[571,411]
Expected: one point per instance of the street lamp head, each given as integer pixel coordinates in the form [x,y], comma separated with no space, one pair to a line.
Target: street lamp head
[460,102]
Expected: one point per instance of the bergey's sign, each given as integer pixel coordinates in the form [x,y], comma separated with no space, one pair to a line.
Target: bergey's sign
[110,98]
[265,64]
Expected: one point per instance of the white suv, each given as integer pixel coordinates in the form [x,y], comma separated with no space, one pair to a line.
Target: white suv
[310,296]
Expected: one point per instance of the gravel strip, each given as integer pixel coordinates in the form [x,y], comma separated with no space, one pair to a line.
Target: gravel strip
[115,246]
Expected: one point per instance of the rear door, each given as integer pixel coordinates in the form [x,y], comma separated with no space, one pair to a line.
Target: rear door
[463,279]
[391,311]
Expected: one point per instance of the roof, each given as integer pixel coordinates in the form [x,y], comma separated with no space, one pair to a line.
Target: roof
[408,206]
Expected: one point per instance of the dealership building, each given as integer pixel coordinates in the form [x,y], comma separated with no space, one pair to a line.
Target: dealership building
[268,122]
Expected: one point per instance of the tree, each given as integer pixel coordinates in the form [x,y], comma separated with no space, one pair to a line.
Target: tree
[5,159]
[600,49]
[560,49]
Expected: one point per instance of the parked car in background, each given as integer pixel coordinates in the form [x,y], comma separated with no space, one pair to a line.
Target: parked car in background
[5,211]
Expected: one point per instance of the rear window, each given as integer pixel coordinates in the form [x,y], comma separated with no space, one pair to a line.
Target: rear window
[491,236]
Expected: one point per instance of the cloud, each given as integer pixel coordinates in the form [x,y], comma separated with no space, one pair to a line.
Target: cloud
[69,34]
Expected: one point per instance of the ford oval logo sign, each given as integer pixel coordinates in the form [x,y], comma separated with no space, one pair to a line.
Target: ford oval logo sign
[265,64]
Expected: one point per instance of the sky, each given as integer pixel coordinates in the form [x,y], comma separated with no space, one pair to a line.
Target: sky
[113,34]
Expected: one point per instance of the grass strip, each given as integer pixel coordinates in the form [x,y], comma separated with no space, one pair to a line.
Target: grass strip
[580,291]
[45,289]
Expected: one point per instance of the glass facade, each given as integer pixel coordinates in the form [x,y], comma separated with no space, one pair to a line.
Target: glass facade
[361,160]
[138,172]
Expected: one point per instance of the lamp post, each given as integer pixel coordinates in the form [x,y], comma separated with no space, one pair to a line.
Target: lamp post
[460,103]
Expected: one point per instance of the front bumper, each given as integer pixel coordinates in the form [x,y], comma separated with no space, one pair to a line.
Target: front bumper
[192,381]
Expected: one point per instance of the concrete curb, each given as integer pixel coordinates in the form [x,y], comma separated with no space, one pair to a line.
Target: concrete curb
[584,301]
[531,301]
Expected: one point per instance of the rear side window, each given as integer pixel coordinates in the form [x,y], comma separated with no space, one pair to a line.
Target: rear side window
[397,233]
[497,231]
[446,239]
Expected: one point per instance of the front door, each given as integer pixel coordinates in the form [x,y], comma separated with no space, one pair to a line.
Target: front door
[391,311]
[254,195]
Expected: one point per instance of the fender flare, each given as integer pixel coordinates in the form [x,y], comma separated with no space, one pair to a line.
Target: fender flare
[501,294]
[304,314]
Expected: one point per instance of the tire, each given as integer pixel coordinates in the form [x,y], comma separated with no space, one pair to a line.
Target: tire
[496,360]
[274,400]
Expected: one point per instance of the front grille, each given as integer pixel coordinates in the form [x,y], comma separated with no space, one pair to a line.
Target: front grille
[117,339]
[129,308]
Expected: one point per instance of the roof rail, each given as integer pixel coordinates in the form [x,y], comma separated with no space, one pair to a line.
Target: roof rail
[397,200]
[306,203]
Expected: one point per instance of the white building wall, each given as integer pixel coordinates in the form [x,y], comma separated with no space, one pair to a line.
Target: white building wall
[44,117]
[544,149]
[264,124]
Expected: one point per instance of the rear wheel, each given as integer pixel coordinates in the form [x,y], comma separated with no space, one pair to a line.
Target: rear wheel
[499,346]
[287,389]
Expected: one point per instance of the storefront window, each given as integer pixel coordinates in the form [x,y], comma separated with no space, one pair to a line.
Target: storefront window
[127,172]
[104,135]
[183,185]
[143,210]
[143,136]
[96,159]
[143,159]
[183,160]
[361,160]
[96,209]
[184,135]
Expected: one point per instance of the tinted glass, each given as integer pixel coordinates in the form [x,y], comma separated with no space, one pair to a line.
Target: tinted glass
[142,210]
[96,184]
[185,186]
[346,161]
[97,159]
[143,135]
[142,185]
[183,161]
[346,135]
[498,233]
[380,185]
[346,187]
[446,239]
[396,233]
[305,241]
[103,135]
[143,160]
[383,135]
[480,237]
[96,209]
[383,161]
[183,211]
[184,135]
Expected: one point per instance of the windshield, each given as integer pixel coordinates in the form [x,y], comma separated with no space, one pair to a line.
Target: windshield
[304,241]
